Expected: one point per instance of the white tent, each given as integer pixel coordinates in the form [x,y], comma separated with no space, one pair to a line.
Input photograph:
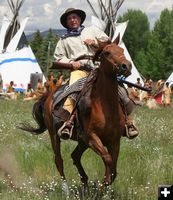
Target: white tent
[18,66]
[17,61]
[119,29]
[170,79]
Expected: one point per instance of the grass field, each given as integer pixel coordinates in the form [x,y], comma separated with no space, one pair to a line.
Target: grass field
[27,169]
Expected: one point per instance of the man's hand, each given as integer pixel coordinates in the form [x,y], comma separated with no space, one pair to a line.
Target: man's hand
[89,42]
[76,65]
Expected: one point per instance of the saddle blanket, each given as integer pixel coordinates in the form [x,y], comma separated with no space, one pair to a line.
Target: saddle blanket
[74,89]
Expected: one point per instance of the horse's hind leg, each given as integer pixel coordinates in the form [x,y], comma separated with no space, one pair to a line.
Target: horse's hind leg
[55,140]
[96,144]
[76,156]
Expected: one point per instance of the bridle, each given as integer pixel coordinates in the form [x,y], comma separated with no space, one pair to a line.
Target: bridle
[120,68]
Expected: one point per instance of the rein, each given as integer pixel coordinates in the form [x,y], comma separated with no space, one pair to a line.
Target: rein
[101,55]
[83,57]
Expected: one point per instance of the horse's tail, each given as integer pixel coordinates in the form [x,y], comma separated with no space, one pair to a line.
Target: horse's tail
[38,115]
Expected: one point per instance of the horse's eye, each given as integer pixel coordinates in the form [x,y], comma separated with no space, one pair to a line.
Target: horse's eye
[106,53]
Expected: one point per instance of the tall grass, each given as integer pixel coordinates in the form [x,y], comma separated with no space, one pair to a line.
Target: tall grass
[27,169]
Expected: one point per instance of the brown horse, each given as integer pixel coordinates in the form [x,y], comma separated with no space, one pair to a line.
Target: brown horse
[100,117]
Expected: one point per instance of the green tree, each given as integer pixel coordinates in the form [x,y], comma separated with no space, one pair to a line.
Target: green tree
[164,30]
[36,42]
[46,51]
[137,32]
[151,61]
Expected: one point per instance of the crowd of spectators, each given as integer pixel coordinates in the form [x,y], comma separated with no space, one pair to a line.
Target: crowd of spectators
[49,86]
[161,93]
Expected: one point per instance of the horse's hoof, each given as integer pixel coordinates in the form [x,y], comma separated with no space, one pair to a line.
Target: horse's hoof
[65,135]
[65,187]
[65,132]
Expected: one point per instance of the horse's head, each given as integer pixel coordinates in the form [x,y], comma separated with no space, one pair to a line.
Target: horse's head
[115,55]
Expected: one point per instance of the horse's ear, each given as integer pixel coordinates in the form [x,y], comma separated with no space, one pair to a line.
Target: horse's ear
[117,39]
[102,42]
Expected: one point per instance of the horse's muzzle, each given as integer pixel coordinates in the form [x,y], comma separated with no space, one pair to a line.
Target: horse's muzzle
[125,69]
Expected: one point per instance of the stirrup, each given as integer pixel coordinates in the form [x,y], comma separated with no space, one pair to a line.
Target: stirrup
[64,132]
[131,135]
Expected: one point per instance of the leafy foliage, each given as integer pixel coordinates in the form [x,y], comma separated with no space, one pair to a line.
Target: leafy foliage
[164,30]
[152,59]
[44,49]
[137,32]
[36,42]
[151,50]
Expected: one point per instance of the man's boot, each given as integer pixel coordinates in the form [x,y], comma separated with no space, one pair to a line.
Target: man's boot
[131,130]
[65,132]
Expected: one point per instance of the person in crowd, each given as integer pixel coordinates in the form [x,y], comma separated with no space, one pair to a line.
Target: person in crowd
[158,94]
[145,94]
[51,73]
[59,79]
[39,89]
[30,93]
[166,95]
[159,85]
[138,81]
[49,82]
[132,93]
[77,41]
[10,91]
[138,91]
[10,88]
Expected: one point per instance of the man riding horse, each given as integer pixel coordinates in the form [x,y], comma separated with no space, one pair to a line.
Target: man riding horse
[78,41]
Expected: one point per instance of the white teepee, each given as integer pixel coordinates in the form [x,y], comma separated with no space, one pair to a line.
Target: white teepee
[170,80]
[17,61]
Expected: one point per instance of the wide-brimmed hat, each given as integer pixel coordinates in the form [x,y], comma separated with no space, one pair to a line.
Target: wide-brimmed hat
[79,12]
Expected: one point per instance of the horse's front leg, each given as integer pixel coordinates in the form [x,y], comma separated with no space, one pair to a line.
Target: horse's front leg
[113,150]
[76,156]
[96,144]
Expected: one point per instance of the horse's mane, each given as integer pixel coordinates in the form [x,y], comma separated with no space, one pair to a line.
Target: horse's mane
[101,45]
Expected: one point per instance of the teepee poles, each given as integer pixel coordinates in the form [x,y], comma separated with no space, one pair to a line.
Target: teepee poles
[107,12]
[14,26]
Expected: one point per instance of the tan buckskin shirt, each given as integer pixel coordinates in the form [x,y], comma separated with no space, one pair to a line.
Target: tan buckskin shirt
[70,48]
